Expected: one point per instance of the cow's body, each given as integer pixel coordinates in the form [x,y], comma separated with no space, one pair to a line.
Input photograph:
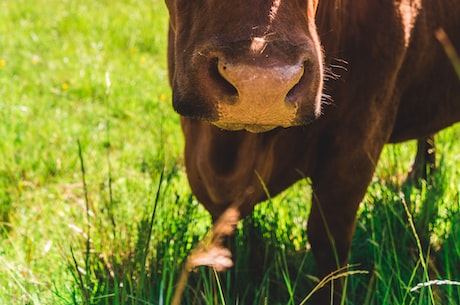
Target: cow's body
[395,84]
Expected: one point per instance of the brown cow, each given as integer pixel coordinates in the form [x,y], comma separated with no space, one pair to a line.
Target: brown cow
[273,91]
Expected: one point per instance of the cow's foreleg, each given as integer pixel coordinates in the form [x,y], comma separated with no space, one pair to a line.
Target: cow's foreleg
[338,188]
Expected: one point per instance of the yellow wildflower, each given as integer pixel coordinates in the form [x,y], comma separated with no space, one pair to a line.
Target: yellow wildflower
[35,59]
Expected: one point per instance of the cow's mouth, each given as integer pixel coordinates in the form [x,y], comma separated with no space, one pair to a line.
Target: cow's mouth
[254,128]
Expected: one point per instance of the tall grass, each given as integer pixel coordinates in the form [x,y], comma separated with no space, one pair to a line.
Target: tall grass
[94,203]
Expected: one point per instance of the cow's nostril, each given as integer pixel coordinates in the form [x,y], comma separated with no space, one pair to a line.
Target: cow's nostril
[223,85]
[296,93]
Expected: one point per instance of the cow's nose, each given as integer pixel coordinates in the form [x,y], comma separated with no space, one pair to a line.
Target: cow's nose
[258,94]
[266,82]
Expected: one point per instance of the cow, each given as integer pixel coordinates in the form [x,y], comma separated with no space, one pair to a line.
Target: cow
[274,91]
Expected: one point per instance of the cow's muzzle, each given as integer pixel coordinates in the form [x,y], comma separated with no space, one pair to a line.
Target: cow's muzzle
[258,98]
[271,86]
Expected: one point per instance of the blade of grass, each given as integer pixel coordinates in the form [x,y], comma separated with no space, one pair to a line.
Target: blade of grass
[339,273]
[419,244]
[88,224]
[449,49]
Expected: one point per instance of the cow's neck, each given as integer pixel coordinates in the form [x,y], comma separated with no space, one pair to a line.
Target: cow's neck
[329,22]
[340,22]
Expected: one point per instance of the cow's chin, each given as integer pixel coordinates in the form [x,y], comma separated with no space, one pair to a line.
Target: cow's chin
[254,128]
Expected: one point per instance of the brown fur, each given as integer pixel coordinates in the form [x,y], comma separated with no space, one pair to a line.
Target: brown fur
[395,83]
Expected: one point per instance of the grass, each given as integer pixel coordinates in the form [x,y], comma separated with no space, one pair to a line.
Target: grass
[94,203]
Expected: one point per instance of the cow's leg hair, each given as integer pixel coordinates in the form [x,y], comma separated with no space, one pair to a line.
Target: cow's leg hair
[210,250]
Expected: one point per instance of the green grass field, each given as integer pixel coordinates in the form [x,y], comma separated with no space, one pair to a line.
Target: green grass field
[94,203]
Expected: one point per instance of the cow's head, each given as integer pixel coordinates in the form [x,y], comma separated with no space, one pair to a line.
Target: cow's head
[241,64]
